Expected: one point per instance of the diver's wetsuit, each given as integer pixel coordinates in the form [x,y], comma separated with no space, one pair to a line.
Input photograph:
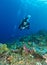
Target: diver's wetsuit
[25,24]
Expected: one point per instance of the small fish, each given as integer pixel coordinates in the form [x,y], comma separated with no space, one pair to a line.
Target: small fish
[25,23]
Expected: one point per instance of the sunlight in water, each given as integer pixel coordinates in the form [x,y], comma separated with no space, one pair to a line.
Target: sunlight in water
[34,2]
[43,1]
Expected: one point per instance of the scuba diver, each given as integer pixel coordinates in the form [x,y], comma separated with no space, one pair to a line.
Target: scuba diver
[25,23]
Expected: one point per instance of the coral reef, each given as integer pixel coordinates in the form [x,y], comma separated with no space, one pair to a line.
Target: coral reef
[28,50]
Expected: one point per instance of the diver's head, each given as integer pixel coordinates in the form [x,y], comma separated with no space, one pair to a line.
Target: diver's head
[29,16]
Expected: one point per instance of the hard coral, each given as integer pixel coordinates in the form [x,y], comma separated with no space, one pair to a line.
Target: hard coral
[3,48]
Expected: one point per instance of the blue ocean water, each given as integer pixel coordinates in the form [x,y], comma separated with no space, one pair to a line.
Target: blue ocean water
[13,11]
